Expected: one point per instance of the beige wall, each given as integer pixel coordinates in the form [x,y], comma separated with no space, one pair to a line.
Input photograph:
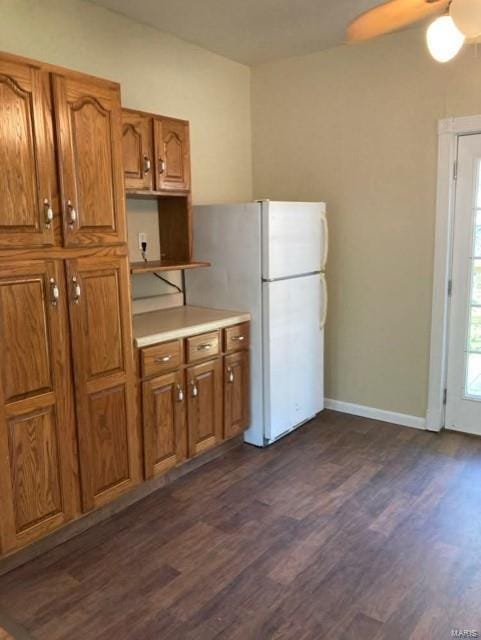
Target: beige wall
[357,126]
[157,72]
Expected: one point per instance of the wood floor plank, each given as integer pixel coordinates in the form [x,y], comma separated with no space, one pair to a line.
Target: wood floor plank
[347,528]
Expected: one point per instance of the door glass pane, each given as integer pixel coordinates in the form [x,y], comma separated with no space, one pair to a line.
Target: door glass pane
[477,235]
[476,283]
[475,330]
[473,382]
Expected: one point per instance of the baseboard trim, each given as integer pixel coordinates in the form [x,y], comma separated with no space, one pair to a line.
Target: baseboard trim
[402,419]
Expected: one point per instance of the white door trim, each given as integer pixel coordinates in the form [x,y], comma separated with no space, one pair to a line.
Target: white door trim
[449,131]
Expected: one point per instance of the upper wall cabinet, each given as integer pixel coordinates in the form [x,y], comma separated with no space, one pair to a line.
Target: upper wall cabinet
[172,155]
[90,160]
[156,152]
[137,150]
[26,213]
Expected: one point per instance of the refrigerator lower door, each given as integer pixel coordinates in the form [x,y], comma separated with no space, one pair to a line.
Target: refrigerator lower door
[293,353]
[294,239]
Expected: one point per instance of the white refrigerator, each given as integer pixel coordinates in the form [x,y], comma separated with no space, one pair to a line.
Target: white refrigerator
[269,258]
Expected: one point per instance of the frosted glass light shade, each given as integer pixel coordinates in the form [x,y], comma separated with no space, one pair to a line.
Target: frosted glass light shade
[444,39]
[467,16]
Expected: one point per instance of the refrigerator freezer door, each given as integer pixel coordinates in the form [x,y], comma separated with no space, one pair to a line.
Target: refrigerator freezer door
[293,239]
[293,353]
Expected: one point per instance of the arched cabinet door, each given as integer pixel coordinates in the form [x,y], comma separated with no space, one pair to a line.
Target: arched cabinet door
[137,151]
[26,163]
[88,124]
[172,156]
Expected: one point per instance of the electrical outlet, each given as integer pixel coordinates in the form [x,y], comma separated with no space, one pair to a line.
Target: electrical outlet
[142,240]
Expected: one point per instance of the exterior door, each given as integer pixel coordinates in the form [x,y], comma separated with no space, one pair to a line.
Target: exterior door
[236,393]
[38,477]
[204,389]
[172,156]
[165,423]
[137,151]
[91,174]
[463,402]
[104,377]
[25,178]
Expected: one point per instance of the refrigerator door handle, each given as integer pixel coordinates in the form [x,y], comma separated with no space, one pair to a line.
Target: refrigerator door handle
[326,241]
[325,298]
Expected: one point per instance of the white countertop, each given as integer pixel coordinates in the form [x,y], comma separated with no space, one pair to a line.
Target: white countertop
[179,322]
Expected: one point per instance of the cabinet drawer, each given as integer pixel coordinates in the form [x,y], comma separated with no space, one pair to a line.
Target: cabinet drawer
[236,337]
[161,358]
[203,346]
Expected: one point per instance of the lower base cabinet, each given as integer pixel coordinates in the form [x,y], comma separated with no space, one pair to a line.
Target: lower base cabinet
[165,423]
[204,389]
[236,393]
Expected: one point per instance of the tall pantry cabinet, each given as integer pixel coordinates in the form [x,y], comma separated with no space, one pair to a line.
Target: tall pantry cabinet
[68,441]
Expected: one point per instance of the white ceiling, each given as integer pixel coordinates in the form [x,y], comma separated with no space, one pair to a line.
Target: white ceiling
[249,31]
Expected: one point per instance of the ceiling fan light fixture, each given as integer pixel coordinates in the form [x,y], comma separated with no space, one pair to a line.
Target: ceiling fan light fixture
[444,39]
[467,16]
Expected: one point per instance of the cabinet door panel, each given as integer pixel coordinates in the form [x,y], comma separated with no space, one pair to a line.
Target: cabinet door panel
[104,376]
[137,151]
[165,428]
[172,161]
[236,393]
[89,129]
[204,406]
[25,165]
[38,475]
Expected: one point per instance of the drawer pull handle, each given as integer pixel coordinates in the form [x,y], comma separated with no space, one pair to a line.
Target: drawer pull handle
[146,164]
[195,390]
[71,213]
[76,290]
[238,338]
[161,165]
[163,359]
[180,393]
[231,375]
[204,347]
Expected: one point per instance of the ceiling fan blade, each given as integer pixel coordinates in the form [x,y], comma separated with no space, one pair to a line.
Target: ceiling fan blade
[391,16]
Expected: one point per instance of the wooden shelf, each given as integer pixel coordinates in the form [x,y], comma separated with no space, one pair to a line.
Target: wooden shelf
[165,265]
[145,193]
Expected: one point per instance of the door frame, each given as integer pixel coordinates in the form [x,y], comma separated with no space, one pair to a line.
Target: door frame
[449,132]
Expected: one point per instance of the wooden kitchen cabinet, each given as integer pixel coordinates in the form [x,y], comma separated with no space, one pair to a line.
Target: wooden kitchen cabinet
[172,154]
[165,423]
[88,124]
[137,150]
[204,407]
[236,393]
[38,475]
[27,169]
[100,319]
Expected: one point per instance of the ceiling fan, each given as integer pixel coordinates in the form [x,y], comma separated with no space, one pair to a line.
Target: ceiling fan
[457,21]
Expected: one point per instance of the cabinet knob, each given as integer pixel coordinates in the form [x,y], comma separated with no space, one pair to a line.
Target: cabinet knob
[195,390]
[76,290]
[204,347]
[48,212]
[160,360]
[180,393]
[230,375]
[54,292]
[147,164]
[238,338]
[72,213]
[161,165]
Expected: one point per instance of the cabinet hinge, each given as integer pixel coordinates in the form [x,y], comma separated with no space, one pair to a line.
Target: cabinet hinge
[445,397]
[450,288]
[455,170]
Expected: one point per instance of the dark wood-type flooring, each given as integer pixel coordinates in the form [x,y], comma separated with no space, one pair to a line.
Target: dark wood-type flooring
[347,529]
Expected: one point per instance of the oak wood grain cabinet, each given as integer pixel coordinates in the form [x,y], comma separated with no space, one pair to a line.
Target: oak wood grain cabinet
[236,393]
[100,317]
[165,422]
[172,154]
[137,150]
[38,474]
[156,152]
[27,170]
[88,125]
[204,407]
